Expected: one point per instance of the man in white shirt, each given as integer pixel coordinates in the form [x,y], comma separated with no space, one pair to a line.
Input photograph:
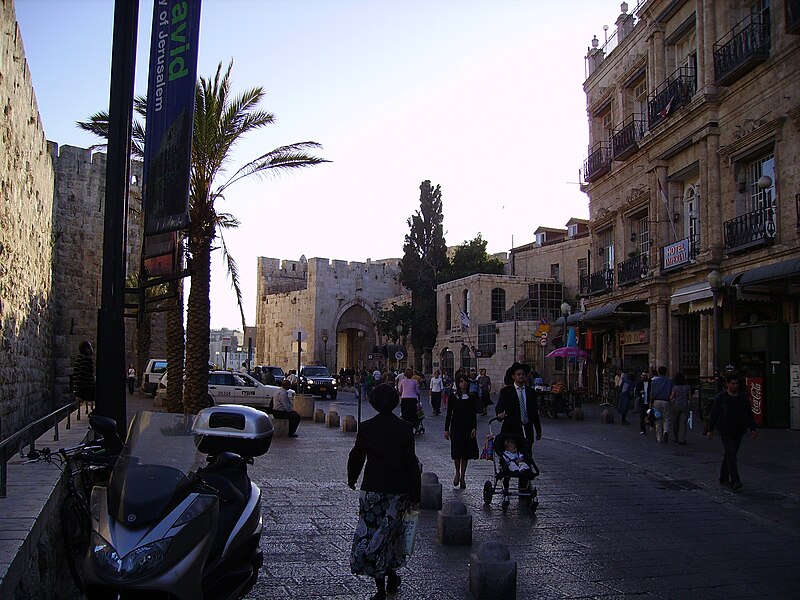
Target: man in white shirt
[282,408]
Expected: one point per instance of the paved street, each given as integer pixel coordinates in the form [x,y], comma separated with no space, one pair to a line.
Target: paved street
[620,517]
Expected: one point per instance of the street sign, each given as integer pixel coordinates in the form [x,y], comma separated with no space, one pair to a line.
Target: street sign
[399,355]
[543,342]
[544,335]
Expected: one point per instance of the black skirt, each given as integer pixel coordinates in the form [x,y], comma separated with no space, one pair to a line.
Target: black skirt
[462,421]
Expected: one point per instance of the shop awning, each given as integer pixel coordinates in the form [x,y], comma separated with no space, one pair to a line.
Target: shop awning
[784,269]
[691,293]
[607,311]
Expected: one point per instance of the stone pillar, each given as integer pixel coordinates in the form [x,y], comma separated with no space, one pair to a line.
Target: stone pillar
[280,427]
[319,415]
[662,334]
[706,348]
[332,419]
[659,55]
[711,205]
[706,37]
[652,351]
[303,404]
[349,424]
[454,524]
[492,573]
[431,493]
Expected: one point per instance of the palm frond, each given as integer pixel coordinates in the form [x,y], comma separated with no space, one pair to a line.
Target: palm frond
[276,161]
[227,221]
[233,271]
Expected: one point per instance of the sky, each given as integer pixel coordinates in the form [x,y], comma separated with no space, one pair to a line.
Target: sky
[481,97]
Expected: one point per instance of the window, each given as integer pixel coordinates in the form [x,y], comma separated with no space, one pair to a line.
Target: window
[465,303]
[583,268]
[760,198]
[546,299]
[643,234]
[487,339]
[498,304]
[607,249]
[640,97]
[448,361]
[448,313]
[466,358]
[540,239]
[608,125]
[554,271]
[691,212]
[572,231]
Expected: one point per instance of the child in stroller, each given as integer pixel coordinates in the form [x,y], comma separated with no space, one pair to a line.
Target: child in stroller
[512,459]
[513,462]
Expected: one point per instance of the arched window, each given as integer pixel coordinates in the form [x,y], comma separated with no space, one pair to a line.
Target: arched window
[448,313]
[447,361]
[466,358]
[465,303]
[498,304]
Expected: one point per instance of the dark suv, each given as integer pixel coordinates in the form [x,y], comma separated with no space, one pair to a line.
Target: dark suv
[318,381]
[277,372]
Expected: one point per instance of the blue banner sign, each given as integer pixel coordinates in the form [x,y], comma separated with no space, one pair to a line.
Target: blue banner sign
[170,115]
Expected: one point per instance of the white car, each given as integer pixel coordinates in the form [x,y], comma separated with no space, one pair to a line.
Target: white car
[229,387]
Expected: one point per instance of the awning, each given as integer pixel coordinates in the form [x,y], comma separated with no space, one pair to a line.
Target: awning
[691,293]
[784,269]
[607,311]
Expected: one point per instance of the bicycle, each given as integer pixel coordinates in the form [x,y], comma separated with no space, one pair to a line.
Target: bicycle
[92,465]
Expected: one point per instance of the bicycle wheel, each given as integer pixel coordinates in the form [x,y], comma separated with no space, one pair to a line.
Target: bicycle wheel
[75,529]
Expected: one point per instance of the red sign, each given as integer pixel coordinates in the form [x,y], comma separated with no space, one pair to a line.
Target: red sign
[755,388]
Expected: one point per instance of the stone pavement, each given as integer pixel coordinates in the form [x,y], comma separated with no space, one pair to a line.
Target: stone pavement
[620,516]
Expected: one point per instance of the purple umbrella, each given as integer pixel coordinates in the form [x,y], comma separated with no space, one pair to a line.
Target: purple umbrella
[568,352]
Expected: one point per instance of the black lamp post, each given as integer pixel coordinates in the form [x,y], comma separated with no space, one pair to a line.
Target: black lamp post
[715,283]
[325,349]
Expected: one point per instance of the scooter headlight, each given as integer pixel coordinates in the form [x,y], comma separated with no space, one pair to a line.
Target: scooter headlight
[138,563]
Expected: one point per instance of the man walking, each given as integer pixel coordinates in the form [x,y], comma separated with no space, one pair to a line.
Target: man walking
[660,391]
[282,407]
[732,415]
[485,385]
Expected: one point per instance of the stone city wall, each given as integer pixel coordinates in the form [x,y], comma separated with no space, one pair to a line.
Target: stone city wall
[27,310]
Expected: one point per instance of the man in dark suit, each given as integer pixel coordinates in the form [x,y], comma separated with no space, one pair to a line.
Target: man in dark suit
[517,406]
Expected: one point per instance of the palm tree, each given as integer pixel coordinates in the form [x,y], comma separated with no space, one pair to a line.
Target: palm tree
[220,121]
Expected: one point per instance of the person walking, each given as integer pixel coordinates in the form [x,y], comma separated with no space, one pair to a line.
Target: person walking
[437,383]
[679,399]
[461,428]
[640,393]
[83,380]
[485,385]
[282,407]
[390,486]
[131,379]
[660,391]
[732,415]
[517,406]
[627,384]
[408,388]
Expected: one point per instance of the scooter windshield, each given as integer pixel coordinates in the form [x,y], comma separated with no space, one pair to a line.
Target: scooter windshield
[153,471]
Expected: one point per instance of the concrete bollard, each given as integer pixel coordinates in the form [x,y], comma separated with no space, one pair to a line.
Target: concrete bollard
[577,414]
[454,525]
[319,415]
[607,417]
[280,427]
[349,424]
[332,419]
[492,573]
[431,493]
[303,404]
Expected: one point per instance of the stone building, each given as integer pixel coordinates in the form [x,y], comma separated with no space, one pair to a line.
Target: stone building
[693,187]
[333,305]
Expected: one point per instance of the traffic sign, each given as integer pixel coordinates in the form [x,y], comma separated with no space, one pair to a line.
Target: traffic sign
[544,335]
[543,342]
[399,355]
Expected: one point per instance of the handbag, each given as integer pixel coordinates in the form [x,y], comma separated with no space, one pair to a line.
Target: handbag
[410,522]
[488,448]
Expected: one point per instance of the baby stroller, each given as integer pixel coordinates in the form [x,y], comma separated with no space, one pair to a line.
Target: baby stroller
[505,471]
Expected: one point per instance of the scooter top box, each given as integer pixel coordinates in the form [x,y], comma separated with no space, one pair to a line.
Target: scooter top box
[243,430]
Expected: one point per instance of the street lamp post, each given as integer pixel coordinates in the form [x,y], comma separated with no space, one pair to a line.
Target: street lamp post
[566,309]
[715,283]
[325,349]
[363,387]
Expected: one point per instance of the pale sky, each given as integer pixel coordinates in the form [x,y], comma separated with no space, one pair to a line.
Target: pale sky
[483,97]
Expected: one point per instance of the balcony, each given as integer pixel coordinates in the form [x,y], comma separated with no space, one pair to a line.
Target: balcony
[632,270]
[598,163]
[741,49]
[750,230]
[625,140]
[675,92]
[597,283]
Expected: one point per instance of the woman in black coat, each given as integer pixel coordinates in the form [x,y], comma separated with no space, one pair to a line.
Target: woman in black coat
[461,428]
[390,485]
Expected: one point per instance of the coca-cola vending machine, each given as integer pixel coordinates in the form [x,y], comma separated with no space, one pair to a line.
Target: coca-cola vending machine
[752,366]
[794,376]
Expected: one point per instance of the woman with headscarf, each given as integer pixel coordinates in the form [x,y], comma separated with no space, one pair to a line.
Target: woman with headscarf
[461,428]
[391,483]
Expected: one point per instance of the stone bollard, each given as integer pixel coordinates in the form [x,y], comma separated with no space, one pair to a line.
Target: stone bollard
[349,424]
[280,427]
[454,525]
[303,404]
[577,414]
[333,419]
[319,415]
[607,417]
[431,494]
[492,573]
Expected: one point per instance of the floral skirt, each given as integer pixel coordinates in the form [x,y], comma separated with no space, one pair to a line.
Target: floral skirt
[378,541]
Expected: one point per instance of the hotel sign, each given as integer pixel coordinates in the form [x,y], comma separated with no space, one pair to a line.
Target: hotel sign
[676,255]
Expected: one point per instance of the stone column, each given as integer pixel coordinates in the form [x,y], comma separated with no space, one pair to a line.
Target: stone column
[662,334]
[652,352]
[706,351]
[706,37]
[711,205]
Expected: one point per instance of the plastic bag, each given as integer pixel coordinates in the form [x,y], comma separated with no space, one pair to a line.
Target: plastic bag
[488,448]
[410,521]
[689,420]
[420,411]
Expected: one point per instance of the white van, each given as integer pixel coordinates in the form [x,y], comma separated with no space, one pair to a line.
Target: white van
[156,367]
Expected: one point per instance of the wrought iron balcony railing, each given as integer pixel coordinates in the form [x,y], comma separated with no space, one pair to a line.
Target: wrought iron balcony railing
[599,282]
[625,140]
[749,230]
[599,161]
[743,47]
[632,270]
[675,92]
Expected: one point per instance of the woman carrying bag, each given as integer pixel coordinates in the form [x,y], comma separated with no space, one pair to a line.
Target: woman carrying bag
[390,486]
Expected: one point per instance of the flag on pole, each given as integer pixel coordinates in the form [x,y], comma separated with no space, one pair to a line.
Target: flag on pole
[464,320]
[665,111]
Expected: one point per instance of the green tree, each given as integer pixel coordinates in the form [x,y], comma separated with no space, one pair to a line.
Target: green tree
[424,257]
[389,319]
[470,258]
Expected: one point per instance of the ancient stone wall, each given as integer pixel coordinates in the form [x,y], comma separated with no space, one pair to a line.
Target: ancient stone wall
[26,241]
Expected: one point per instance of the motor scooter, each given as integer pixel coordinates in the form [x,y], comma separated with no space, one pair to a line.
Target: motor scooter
[180,517]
